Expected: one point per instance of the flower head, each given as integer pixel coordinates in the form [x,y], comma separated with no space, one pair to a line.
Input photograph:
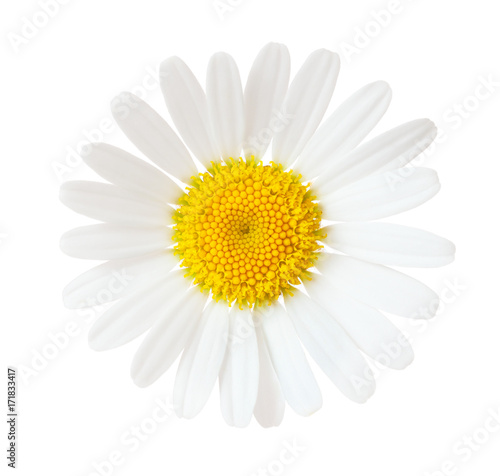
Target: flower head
[232,266]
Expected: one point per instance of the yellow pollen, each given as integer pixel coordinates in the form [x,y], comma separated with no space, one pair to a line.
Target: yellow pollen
[247,232]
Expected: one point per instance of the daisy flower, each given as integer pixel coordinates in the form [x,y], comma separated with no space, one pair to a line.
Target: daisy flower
[228,266]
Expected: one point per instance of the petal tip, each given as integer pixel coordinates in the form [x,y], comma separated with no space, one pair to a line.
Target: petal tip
[383,87]
[171,62]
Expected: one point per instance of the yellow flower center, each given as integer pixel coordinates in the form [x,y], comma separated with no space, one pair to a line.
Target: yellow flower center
[247,231]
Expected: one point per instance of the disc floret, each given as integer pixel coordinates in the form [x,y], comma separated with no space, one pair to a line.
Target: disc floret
[247,231]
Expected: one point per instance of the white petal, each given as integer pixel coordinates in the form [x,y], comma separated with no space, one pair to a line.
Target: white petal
[378,286]
[390,244]
[166,339]
[264,93]
[112,204]
[331,347]
[305,104]
[187,106]
[270,405]
[225,104]
[239,374]
[388,151]
[297,381]
[136,313]
[153,136]
[106,241]
[345,128]
[381,195]
[124,169]
[114,279]
[201,361]
[371,331]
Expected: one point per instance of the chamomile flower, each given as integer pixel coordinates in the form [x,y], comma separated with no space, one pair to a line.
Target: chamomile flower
[228,266]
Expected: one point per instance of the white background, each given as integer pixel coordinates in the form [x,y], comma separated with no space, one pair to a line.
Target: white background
[80,406]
